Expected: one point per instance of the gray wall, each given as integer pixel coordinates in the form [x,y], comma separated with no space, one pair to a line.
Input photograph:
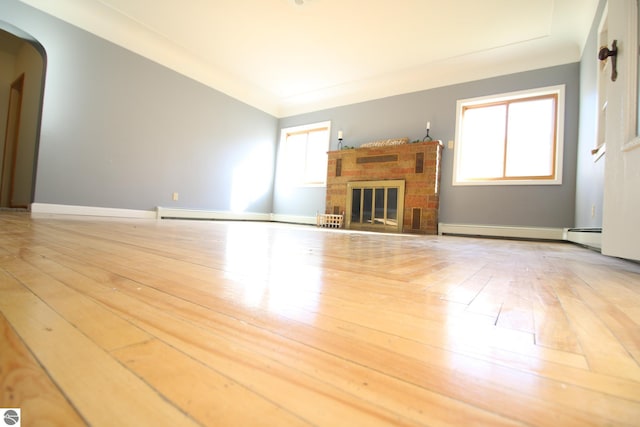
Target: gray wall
[121,131]
[407,115]
[590,174]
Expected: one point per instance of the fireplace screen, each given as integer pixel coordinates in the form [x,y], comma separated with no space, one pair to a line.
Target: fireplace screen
[375,205]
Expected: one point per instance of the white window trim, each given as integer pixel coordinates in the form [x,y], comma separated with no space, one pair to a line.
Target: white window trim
[559,90]
[304,128]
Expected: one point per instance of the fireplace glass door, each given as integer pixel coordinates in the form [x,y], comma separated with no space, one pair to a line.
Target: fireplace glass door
[375,205]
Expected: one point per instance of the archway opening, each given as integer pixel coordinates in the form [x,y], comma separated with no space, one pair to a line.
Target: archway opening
[22,76]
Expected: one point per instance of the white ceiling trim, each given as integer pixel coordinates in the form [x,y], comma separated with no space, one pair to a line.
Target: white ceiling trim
[265,78]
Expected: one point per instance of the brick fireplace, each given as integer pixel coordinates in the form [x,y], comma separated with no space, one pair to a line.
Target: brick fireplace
[386,188]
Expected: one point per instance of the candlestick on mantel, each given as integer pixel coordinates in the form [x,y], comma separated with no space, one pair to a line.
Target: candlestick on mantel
[427,137]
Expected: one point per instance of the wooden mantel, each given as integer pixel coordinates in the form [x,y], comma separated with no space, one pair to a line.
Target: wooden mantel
[417,164]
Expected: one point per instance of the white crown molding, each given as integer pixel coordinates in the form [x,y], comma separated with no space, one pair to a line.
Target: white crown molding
[560,42]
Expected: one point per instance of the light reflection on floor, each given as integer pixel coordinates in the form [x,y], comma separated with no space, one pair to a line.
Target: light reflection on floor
[255,253]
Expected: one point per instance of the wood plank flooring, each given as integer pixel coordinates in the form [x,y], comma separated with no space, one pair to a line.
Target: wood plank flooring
[110,322]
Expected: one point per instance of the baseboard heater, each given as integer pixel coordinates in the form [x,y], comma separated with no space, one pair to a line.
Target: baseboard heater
[590,237]
[538,233]
[181,213]
[196,214]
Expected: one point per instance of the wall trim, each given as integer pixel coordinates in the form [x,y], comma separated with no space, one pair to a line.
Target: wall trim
[167,213]
[55,209]
[545,233]
[586,237]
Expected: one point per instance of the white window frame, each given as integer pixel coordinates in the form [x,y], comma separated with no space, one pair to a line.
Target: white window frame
[558,90]
[299,181]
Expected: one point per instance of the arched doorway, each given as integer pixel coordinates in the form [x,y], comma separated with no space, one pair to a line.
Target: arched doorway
[22,71]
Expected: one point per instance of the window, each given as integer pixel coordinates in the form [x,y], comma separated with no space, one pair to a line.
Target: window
[513,139]
[304,154]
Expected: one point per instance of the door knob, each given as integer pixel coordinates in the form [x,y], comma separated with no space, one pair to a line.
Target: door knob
[605,53]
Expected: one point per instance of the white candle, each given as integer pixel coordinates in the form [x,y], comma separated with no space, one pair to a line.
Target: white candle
[428,125]
[339,134]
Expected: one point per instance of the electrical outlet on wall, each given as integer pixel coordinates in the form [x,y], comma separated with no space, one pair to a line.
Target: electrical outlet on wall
[593,211]
[450,144]
[174,196]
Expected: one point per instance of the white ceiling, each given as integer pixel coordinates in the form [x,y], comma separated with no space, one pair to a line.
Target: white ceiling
[286,58]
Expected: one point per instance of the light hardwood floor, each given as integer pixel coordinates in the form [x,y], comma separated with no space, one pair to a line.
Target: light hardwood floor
[114,322]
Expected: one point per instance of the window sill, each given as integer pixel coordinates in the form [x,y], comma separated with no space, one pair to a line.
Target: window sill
[508,182]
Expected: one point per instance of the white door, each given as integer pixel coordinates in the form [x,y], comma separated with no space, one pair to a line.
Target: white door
[621,210]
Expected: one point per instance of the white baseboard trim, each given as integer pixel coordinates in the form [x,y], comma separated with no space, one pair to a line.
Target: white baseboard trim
[587,237]
[545,233]
[181,213]
[54,209]
[163,212]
